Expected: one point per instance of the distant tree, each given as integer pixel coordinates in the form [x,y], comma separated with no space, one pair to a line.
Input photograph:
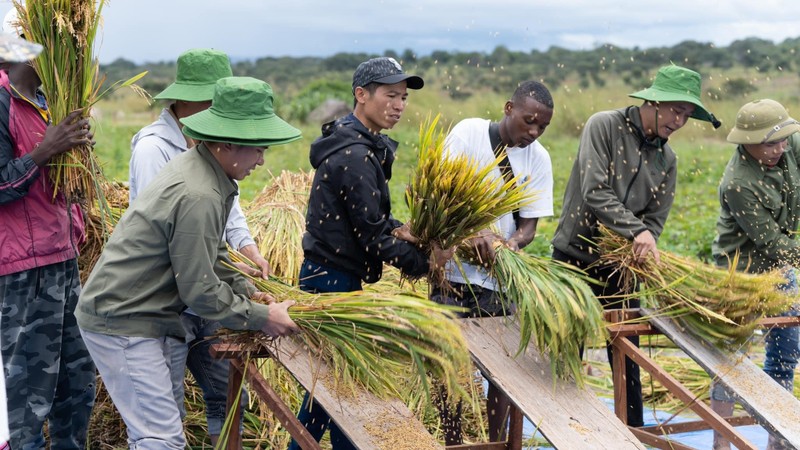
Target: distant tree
[754,52]
[409,56]
[737,87]
[345,61]
[440,56]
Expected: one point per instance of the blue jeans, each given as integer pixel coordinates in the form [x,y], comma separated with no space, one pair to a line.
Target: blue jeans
[782,347]
[210,373]
[318,278]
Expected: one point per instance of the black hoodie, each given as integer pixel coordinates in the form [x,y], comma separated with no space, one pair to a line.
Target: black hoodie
[349,220]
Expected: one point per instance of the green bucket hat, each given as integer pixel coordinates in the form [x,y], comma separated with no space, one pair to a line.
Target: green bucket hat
[762,121]
[241,113]
[677,84]
[198,72]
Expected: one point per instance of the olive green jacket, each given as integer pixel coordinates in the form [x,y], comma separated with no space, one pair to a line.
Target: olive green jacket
[619,179]
[759,211]
[165,248]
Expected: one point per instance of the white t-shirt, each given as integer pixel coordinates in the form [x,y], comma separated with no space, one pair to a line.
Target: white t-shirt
[471,137]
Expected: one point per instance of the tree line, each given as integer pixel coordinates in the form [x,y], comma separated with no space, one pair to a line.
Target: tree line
[461,74]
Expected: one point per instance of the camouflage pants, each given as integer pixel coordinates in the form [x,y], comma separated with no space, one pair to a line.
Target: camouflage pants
[49,373]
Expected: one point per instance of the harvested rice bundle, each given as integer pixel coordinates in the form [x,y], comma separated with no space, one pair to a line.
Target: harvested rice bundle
[277,219]
[554,305]
[393,281]
[450,199]
[369,338]
[717,305]
[71,80]
[100,221]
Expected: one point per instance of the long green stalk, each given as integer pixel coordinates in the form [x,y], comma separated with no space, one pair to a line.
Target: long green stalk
[555,307]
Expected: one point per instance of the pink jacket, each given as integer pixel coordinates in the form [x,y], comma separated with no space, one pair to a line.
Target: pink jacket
[35,229]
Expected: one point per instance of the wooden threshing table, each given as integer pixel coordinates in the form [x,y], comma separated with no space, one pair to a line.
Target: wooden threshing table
[568,416]
[767,403]
[364,418]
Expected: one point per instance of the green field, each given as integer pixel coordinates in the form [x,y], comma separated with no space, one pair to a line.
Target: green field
[702,154]
[702,151]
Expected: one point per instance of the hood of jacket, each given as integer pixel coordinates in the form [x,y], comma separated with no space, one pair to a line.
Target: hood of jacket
[346,132]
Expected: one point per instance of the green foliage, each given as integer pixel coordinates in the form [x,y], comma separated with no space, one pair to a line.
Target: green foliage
[733,88]
[466,73]
[313,95]
[702,151]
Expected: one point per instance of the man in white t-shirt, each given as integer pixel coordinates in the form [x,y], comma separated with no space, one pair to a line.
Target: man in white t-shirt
[526,116]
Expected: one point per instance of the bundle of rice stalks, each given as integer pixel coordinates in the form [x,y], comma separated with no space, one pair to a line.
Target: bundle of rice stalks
[277,219]
[100,221]
[71,80]
[656,396]
[450,198]
[717,305]
[393,281]
[368,338]
[554,305]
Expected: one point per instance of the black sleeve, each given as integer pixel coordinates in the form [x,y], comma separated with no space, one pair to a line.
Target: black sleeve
[16,174]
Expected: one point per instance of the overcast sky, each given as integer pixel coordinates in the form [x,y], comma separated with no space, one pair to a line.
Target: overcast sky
[150,30]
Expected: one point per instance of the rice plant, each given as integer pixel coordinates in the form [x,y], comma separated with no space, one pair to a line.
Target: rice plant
[368,338]
[101,218]
[277,219]
[71,80]
[721,306]
[555,307]
[450,198]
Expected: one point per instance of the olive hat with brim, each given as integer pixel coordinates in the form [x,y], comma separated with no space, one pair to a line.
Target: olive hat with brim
[676,84]
[198,72]
[762,121]
[240,113]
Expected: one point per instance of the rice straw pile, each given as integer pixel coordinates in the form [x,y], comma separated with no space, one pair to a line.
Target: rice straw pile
[70,77]
[717,305]
[369,338]
[100,221]
[450,199]
[554,306]
[277,219]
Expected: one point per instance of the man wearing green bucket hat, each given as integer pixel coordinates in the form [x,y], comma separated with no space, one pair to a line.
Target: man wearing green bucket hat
[151,149]
[164,255]
[759,213]
[624,178]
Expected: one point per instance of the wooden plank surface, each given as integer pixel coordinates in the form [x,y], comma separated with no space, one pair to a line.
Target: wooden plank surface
[369,422]
[568,416]
[772,406]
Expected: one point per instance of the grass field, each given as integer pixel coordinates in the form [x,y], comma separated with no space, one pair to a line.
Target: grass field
[702,154]
[702,151]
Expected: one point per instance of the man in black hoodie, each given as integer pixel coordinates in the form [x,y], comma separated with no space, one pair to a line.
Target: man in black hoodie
[350,231]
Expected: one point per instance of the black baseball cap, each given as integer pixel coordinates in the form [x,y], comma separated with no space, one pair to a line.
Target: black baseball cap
[384,70]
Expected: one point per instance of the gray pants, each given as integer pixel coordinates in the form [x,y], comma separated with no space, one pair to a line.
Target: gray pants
[136,373]
[210,373]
